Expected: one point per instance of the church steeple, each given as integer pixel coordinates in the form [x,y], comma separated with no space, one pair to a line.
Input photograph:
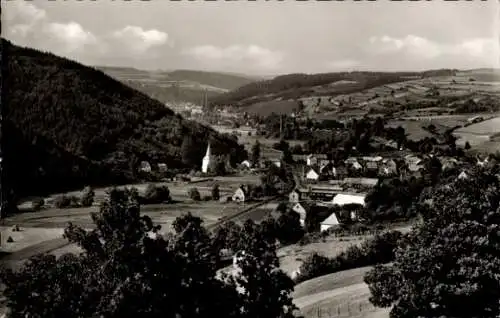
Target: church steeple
[206,160]
[208,154]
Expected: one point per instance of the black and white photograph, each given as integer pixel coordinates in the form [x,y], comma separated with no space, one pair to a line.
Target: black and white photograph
[250,159]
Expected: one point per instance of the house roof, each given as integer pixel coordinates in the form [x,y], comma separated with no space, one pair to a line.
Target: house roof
[364,181]
[377,158]
[317,156]
[331,220]
[343,199]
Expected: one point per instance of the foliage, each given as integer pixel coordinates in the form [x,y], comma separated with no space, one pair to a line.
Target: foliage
[127,268]
[215,192]
[256,152]
[38,204]
[392,199]
[194,194]
[66,201]
[88,196]
[448,266]
[288,228]
[70,125]
[377,250]
[156,194]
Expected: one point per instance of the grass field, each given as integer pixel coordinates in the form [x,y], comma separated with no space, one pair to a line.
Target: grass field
[342,294]
[478,135]
[413,129]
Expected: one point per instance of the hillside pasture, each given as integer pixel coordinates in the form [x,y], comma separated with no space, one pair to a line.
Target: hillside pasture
[478,135]
[414,129]
[275,106]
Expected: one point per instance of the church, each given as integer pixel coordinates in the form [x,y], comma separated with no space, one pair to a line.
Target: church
[207,160]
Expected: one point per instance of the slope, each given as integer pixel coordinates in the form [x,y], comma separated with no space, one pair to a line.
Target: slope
[298,86]
[178,85]
[69,125]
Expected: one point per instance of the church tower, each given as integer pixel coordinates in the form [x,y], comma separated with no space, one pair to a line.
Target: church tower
[206,161]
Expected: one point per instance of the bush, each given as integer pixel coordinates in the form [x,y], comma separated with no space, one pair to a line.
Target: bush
[194,194]
[88,196]
[378,250]
[66,201]
[215,192]
[156,194]
[37,204]
[10,239]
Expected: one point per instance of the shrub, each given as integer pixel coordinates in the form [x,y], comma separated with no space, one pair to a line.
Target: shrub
[377,250]
[215,192]
[10,239]
[88,196]
[156,194]
[194,194]
[37,204]
[66,201]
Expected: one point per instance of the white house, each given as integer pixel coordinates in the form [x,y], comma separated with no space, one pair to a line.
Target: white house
[162,167]
[294,196]
[145,166]
[246,164]
[206,160]
[463,175]
[330,221]
[239,195]
[389,167]
[343,199]
[356,165]
[312,175]
[301,209]
[277,163]
[311,160]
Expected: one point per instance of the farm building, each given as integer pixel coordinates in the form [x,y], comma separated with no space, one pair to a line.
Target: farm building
[372,159]
[313,159]
[329,222]
[277,163]
[343,199]
[246,164]
[372,165]
[312,175]
[389,167]
[294,196]
[225,198]
[145,166]
[162,167]
[448,163]
[356,165]
[239,195]
[368,182]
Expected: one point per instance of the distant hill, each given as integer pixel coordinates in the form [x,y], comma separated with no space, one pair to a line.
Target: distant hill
[178,85]
[297,86]
[71,125]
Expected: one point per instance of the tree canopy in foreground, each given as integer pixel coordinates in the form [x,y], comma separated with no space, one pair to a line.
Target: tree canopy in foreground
[450,264]
[128,268]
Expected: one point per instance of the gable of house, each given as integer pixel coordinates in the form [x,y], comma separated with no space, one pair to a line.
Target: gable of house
[312,175]
[294,196]
[239,195]
[300,209]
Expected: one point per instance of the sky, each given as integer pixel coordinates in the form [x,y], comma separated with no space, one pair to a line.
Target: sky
[261,37]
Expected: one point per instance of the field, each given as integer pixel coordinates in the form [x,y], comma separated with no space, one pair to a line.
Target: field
[413,129]
[478,135]
[41,231]
[342,294]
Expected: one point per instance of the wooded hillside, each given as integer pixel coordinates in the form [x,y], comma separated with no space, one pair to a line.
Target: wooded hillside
[69,125]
